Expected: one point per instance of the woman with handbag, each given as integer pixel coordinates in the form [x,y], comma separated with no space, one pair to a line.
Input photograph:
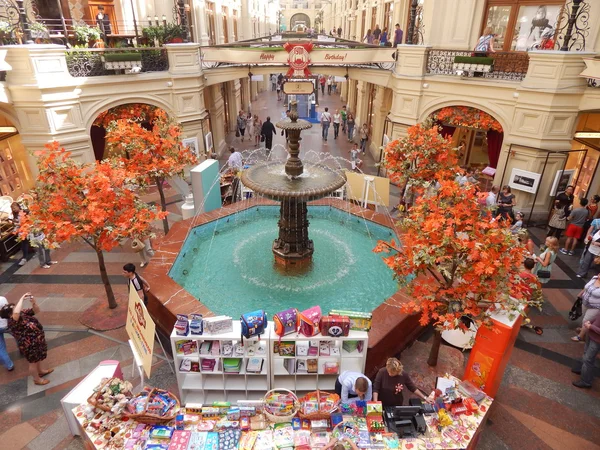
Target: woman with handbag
[143,249]
[562,206]
[256,129]
[543,268]
[590,302]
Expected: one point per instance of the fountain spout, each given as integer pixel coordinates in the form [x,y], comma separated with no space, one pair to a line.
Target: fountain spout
[292,126]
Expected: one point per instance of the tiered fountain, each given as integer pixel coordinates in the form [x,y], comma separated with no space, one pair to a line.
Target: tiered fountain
[293,184]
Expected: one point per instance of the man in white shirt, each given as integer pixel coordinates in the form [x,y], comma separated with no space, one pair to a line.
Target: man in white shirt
[592,252]
[490,200]
[235,165]
[353,386]
[325,122]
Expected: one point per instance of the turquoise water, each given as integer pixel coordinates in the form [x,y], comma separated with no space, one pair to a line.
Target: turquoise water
[228,264]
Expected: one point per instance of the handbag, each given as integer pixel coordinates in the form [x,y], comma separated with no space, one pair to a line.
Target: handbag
[558,219]
[137,245]
[576,312]
[262,138]
[543,274]
[335,326]
[286,322]
[237,132]
[253,323]
[309,321]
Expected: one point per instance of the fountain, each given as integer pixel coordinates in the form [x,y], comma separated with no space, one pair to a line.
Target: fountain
[293,186]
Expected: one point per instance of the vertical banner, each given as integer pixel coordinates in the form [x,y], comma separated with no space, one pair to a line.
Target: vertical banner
[140,328]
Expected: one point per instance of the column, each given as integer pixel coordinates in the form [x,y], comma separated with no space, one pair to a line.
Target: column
[361,103]
[199,20]
[215,106]
[245,30]
[378,122]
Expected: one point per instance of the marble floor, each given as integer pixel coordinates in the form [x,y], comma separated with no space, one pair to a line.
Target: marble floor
[536,406]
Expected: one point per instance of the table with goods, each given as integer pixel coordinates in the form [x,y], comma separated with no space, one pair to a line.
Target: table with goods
[114,417]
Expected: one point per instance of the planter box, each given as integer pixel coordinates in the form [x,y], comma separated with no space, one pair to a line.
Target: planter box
[471,64]
[122,61]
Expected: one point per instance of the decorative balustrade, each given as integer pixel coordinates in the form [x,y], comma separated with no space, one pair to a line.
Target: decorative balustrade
[93,62]
[510,66]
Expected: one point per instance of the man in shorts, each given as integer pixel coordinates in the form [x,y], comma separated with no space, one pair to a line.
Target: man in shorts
[577,220]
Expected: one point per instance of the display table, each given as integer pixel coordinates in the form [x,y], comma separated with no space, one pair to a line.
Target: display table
[80,393]
[463,433]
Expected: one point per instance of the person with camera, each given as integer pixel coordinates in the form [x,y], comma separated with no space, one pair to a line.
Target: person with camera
[30,337]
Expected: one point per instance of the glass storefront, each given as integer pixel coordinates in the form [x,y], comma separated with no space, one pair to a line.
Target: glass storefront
[584,163]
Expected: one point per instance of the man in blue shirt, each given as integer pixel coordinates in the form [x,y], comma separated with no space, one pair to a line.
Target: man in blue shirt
[353,386]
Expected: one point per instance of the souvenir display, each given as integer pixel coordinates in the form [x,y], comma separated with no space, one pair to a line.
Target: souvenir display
[111,395]
[218,324]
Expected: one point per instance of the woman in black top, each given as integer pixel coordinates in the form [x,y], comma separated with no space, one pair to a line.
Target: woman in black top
[390,382]
[506,201]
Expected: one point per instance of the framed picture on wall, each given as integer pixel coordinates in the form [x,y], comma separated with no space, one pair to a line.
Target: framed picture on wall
[192,144]
[561,180]
[522,180]
[208,140]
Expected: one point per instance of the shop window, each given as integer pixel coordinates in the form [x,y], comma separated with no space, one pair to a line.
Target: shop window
[373,18]
[235,26]
[224,21]
[387,16]
[210,20]
[523,25]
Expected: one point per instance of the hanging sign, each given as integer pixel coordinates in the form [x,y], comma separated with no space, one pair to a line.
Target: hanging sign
[298,59]
[298,87]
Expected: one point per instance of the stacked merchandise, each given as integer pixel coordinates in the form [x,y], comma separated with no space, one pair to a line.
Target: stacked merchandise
[208,365]
[232,365]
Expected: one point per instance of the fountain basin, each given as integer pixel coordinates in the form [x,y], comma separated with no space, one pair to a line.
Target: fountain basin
[270,180]
[393,330]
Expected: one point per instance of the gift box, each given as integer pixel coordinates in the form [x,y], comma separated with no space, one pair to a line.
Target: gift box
[375,423]
[302,348]
[218,324]
[181,327]
[374,407]
[287,349]
[312,365]
[350,346]
[196,324]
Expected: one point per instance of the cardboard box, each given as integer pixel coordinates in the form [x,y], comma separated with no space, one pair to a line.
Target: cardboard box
[359,321]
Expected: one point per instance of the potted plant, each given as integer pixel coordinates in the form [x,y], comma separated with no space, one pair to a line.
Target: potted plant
[86,35]
[6,33]
[174,33]
[467,64]
[38,31]
[154,34]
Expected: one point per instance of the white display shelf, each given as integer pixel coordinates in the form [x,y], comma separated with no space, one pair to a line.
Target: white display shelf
[216,385]
[206,387]
[303,382]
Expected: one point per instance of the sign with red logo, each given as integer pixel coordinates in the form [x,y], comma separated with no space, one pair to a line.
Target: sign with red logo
[298,59]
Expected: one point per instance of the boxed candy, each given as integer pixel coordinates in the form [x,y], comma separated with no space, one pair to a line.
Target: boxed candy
[182,325]
[218,324]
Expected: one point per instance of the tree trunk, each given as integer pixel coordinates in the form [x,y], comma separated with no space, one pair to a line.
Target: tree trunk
[435,348]
[112,303]
[163,202]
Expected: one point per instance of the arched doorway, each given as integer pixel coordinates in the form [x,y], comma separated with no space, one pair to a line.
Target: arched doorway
[299,20]
[15,175]
[476,133]
[139,112]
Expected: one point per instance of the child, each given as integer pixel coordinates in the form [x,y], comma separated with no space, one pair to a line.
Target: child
[516,227]
[354,153]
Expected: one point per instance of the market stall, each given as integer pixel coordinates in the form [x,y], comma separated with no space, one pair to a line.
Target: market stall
[305,417]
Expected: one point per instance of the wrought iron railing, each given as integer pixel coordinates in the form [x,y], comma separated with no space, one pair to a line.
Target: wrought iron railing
[510,66]
[92,62]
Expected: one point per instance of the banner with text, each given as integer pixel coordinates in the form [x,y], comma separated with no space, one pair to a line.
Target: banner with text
[140,329]
[321,56]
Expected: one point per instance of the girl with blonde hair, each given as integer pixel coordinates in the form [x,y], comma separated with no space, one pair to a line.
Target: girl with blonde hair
[390,382]
[545,262]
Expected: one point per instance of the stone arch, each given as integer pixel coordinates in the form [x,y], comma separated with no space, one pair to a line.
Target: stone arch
[12,116]
[299,17]
[97,133]
[434,106]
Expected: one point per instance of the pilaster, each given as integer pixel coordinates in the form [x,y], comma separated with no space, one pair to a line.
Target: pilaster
[199,18]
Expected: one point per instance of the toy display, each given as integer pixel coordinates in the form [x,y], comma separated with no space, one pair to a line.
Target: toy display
[253,323]
[111,395]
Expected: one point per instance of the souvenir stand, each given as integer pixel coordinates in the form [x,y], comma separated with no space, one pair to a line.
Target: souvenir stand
[265,395]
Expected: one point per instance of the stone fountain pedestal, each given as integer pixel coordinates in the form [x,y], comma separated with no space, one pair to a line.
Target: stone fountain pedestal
[293,186]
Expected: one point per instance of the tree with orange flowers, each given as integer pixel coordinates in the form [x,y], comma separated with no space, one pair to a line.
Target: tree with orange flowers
[457,265]
[93,203]
[151,155]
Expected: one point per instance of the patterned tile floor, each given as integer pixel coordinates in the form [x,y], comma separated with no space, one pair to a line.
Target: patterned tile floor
[536,407]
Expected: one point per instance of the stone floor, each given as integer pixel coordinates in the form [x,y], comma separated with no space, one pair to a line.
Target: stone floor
[536,407]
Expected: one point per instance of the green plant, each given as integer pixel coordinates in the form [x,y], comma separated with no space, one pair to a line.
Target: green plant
[173,31]
[474,60]
[122,56]
[154,32]
[85,33]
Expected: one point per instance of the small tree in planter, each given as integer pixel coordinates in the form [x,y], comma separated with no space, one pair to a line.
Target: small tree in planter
[89,202]
[150,155]
[86,35]
[456,264]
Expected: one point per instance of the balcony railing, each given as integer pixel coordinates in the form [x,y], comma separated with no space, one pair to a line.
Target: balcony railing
[509,66]
[94,62]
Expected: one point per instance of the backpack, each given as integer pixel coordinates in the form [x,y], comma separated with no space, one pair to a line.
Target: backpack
[309,321]
[253,324]
[286,322]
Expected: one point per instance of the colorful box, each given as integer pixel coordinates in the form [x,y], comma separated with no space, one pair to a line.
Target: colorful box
[359,321]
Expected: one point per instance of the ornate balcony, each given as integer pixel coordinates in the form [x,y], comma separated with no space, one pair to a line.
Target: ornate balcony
[93,62]
[508,66]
